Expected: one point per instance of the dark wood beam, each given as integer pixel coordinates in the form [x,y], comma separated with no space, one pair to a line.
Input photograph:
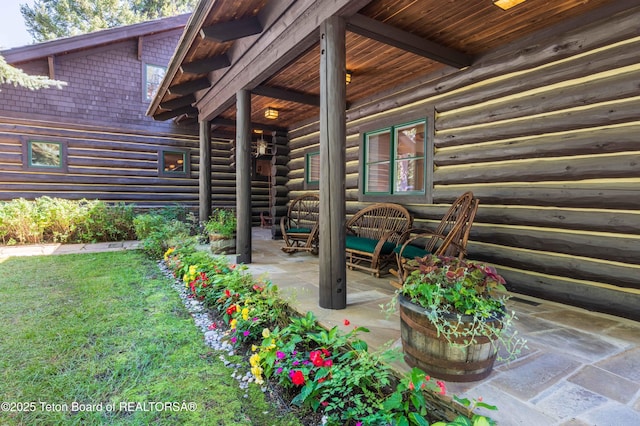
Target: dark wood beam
[392,36]
[179,102]
[190,86]
[174,113]
[232,30]
[206,65]
[227,122]
[287,95]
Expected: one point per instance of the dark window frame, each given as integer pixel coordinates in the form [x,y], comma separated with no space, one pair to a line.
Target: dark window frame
[308,183]
[145,66]
[27,154]
[399,120]
[186,157]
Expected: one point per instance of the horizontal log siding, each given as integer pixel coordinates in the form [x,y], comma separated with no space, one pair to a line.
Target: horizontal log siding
[547,135]
[106,164]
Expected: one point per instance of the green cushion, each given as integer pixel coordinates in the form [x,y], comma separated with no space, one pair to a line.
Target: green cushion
[411,252]
[298,231]
[367,244]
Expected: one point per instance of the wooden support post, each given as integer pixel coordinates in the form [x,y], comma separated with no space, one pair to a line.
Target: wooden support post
[243,175]
[333,270]
[204,182]
[52,67]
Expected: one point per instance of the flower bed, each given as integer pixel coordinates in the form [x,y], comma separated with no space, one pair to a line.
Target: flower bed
[330,376]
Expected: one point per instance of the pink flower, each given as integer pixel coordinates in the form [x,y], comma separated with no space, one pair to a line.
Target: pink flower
[442,386]
[213,326]
[280,355]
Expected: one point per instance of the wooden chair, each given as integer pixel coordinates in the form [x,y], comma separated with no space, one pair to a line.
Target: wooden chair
[300,226]
[448,239]
[372,235]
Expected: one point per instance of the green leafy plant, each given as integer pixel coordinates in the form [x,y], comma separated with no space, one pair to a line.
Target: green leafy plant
[462,299]
[322,371]
[223,222]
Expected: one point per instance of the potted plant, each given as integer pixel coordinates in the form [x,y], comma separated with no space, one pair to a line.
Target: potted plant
[221,228]
[454,318]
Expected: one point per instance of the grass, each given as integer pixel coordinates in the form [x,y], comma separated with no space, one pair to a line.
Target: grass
[108,329]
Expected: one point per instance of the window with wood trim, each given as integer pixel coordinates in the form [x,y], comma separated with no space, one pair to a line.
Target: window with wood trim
[394,160]
[45,155]
[313,168]
[174,163]
[153,75]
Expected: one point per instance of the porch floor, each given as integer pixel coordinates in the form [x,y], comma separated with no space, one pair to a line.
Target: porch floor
[580,367]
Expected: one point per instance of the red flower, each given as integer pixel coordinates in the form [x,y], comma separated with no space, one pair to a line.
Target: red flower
[328,363]
[227,293]
[411,386]
[297,377]
[316,358]
[322,379]
[443,388]
[347,322]
[231,309]
[257,288]
[324,403]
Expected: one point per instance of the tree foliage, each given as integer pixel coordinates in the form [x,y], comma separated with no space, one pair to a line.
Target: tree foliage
[17,77]
[51,19]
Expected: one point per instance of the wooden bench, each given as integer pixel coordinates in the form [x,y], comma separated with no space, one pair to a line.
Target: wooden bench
[372,235]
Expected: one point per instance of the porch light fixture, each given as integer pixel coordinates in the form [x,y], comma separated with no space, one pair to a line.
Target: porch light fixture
[271,113]
[507,4]
[349,74]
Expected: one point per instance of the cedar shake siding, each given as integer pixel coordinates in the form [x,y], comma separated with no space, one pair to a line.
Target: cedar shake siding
[111,150]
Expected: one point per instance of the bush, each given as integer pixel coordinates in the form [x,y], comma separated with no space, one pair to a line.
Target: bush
[160,230]
[47,219]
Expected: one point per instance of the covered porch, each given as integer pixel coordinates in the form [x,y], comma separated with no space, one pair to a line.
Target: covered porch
[580,368]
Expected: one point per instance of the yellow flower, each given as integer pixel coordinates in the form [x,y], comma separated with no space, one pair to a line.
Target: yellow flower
[254,348]
[233,323]
[254,360]
[257,373]
[245,314]
[266,333]
[168,253]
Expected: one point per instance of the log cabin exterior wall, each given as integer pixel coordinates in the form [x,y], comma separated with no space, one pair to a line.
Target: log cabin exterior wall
[112,148]
[546,133]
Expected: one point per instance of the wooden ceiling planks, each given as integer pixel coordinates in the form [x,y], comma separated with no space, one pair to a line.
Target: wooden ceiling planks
[470,26]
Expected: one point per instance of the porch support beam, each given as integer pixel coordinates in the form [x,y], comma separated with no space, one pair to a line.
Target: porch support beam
[204,179]
[243,175]
[232,30]
[287,95]
[333,269]
[404,40]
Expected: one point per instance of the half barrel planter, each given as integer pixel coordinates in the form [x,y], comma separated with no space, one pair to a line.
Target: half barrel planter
[454,361]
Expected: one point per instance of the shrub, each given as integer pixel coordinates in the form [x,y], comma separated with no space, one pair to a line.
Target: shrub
[157,232]
[47,219]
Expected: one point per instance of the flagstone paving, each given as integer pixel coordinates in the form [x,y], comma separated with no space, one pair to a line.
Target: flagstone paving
[581,368]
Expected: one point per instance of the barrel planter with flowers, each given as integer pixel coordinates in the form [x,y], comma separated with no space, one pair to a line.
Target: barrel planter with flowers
[453,318]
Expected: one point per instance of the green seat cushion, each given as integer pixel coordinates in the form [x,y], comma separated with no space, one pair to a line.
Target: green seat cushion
[298,231]
[411,252]
[367,244]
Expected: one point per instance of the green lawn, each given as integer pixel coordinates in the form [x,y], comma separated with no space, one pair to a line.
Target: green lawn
[107,330]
